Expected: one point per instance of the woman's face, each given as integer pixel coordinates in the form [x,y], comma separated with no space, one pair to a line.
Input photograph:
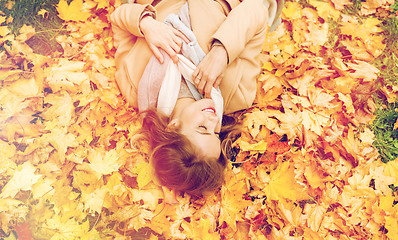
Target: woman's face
[199,123]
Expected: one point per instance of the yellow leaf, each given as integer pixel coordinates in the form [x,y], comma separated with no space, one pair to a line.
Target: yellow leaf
[313,177]
[386,202]
[314,122]
[361,31]
[363,70]
[60,112]
[315,215]
[268,66]
[68,75]
[260,146]
[95,200]
[104,165]
[2,19]
[292,10]
[284,185]
[392,227]
[367,137]
[42,12]
[25,33]
[42,187]
[203,230]
[11,104]
[391,169]
[60,139]
[65,228]
[23,179]
[346,99]
[4,31]
[72,12]
[150,197]
[145,173]
[24,88]
[102,3]
[325,9]
[9,204]
[6,152]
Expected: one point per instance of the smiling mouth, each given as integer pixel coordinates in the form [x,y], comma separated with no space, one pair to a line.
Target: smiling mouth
[209,109]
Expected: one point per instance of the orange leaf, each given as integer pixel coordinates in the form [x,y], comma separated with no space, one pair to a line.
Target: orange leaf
[72,12]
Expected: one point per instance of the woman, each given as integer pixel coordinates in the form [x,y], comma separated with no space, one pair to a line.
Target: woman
[185,143]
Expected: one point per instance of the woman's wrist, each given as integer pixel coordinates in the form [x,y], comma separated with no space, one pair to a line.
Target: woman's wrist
[220,50]
[145,17]
[145,21]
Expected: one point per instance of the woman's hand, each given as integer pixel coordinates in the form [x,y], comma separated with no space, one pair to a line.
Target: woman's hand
[209,71]
[162,36]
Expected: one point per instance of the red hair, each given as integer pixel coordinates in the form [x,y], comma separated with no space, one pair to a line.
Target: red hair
[177,163]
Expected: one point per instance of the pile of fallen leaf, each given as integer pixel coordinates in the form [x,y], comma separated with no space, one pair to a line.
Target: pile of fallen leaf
[71,166]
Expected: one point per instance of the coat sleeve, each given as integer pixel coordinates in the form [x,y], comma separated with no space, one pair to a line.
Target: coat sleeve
[126,20]
[241,24]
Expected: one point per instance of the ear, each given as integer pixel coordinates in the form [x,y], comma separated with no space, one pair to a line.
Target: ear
[173,124]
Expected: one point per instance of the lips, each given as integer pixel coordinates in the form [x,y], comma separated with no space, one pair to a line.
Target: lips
[209,109]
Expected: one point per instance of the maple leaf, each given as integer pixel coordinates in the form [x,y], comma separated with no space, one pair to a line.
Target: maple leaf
[314,121]
[283,184]
[66,228]
[325,9]
[95,200]
[391,169]
[6,152]
[392,227]
[66,75]
[315,215]
[72,12]
[102,3]
[145,173]
[42,187]
[60,139]
[104,164]
[23,179]
[314,177]
[25,33]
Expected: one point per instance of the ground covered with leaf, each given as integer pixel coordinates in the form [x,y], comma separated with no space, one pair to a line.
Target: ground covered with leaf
[315,159]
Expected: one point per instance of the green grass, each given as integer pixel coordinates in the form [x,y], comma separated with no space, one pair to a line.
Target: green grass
[354,8]
[387,62]
[386,137]
[334,34]
[26,12]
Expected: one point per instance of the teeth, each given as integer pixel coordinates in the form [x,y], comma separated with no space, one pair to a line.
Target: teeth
[208,110]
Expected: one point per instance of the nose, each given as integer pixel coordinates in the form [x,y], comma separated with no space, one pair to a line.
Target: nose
[213,122]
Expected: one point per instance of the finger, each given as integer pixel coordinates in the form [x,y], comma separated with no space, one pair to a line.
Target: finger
[178,41]
[198,79]
[218,82]
[181,35]
[175,47]
[195,77]
[208,88]
[156,52]
[171,53]
[201,86]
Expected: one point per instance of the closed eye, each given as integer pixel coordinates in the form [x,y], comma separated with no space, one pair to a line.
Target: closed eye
[204,127]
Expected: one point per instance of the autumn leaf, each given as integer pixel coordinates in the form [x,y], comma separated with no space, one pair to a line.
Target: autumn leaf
[61,140]
[103,164]
[145,173]
[72,12]
[282,184]
[303,163]
[23,179]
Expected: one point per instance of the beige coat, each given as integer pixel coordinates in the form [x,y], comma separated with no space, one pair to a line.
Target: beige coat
[239,26]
